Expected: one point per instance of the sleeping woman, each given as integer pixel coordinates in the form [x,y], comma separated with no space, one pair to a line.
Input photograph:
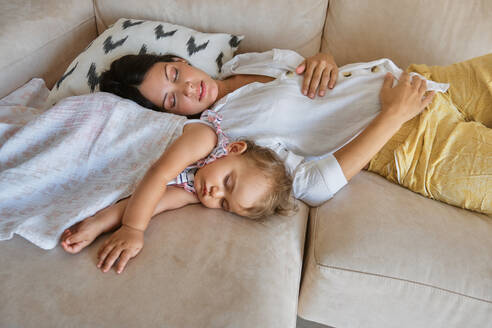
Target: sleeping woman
[443,152]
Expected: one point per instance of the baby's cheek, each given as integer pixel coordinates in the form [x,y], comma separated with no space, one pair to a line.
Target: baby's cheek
[206,203]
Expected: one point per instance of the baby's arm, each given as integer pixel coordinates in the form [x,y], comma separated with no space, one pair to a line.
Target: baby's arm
[196,142]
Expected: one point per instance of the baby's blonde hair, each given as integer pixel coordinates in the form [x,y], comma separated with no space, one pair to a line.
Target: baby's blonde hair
[277,200]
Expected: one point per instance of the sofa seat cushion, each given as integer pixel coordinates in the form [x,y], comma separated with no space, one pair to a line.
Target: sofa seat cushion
[199,268]
[38,37]
[380,254]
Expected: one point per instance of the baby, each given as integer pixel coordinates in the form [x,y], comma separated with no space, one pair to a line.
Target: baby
[238,177]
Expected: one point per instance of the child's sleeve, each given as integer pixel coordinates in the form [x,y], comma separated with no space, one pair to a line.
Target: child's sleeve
[212,119]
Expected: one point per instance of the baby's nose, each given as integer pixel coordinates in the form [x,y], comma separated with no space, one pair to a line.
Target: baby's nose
[216,192]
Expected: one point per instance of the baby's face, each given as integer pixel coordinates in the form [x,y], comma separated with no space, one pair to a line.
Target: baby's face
[231,183]
[179,88]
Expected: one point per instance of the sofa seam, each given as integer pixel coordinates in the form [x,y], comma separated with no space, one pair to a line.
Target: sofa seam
[324,25]
[47,43]
[403,280]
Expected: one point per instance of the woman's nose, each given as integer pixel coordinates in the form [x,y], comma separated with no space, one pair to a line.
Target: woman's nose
[216,192]
[189,89]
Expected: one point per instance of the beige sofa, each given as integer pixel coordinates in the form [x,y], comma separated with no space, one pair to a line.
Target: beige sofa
[376,255]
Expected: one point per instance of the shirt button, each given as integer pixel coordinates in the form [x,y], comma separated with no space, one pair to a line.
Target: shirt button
[347,74]
[375,69]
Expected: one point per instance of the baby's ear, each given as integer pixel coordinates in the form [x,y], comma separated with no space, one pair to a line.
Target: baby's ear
[237,147]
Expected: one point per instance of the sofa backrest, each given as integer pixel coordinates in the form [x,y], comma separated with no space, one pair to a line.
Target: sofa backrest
[291,24]
[437,32]
[41,38]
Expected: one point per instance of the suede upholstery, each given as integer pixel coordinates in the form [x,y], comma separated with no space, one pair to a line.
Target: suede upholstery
[199,268]
[409,32]
[265,24]
[421,266]
[40,39]
[377,255]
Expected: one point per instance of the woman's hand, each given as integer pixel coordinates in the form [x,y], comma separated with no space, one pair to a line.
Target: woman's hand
[320,71]
[398,105]
[405,100]
[124,244]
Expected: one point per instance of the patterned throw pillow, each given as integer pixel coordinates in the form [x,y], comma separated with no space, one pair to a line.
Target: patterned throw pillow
[207,51]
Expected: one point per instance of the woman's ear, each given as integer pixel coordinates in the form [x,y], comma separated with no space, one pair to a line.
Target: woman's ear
[237,147]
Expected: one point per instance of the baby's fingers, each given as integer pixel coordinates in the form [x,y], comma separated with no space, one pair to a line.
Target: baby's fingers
[125,256]
[103,253]
[110,259]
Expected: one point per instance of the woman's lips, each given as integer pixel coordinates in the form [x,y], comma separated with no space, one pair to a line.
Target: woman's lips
[203,90]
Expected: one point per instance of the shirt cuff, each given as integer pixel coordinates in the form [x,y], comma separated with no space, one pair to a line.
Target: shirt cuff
[317,181]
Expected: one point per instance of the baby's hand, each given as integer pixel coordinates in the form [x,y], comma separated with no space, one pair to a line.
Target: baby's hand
[124,244]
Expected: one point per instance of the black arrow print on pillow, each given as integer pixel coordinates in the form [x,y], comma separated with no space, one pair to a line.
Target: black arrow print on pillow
[219,61]
[109,45]
[143,50]
[159,32]
[128,23]
[92,77]
[234,41]
[65,75]
[192,47]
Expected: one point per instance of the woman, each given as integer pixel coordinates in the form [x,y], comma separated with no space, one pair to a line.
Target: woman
[326,140]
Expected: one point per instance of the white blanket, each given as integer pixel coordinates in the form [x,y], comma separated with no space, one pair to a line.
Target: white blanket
[62,165]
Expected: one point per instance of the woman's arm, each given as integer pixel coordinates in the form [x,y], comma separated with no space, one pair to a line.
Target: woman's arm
[196,142]
[398,105]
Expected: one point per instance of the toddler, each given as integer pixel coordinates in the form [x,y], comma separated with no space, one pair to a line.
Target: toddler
[238,177]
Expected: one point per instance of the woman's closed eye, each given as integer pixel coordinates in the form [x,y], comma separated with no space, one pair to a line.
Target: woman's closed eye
[171,74]
[173,103]
[176,74]
[175,78]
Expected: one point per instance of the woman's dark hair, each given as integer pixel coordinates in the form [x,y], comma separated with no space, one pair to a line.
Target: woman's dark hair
[127,73]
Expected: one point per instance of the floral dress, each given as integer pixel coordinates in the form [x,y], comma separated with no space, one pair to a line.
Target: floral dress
[186,179]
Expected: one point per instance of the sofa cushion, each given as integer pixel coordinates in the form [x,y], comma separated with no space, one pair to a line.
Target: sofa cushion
[39,38]
[199,268]
[439,32]
[207,51]
[388,257]
[295,25]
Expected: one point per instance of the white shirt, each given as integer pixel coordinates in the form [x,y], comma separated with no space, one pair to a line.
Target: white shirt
[304,132]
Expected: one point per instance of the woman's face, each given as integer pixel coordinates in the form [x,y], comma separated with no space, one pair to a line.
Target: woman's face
[179,88]
[231,183]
